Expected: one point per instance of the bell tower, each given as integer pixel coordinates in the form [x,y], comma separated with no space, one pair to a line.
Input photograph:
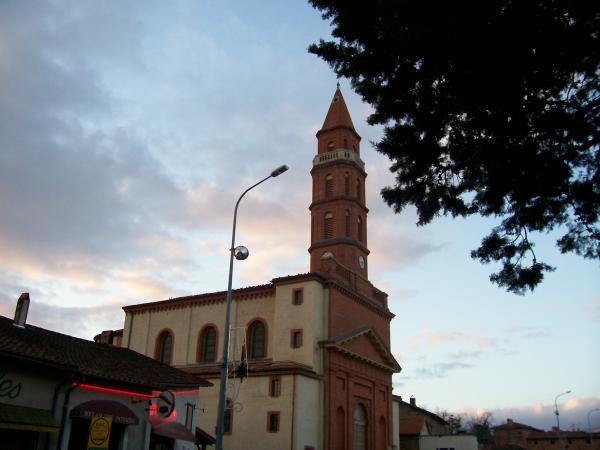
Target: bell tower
[338,211]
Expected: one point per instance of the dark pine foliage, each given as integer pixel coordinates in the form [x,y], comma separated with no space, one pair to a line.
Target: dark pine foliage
[490,108]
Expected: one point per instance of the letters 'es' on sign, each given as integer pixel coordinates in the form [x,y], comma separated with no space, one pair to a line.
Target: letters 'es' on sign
[99,433]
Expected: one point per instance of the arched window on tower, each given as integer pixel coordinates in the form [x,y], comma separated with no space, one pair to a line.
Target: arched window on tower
[328,226]
[359,229]
[360,428]
[257,340]
[358,190]
[207,344]
[328,185]
[164,347]
[347,183]
[348,222]
[345,143]
[330,146]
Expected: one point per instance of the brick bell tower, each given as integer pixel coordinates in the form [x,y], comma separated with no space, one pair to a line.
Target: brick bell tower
[338,211]
[357,361]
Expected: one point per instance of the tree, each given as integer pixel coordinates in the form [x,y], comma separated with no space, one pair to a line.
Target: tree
[489,108]
[481,426]
[454,421]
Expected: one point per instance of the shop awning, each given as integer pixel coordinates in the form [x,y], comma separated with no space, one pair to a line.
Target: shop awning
[173,430]
[24,418]
[97,408]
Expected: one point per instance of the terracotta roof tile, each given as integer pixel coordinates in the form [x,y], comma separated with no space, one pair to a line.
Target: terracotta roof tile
[338,114]
[411,425]
[90,359]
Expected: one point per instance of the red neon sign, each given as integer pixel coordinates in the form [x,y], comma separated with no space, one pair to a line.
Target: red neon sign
[112,391]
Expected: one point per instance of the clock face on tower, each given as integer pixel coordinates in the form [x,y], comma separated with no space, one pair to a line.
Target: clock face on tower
[361,261]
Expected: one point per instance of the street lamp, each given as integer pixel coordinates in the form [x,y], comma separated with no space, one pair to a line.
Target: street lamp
[239,253]
[590,427]
[557,421]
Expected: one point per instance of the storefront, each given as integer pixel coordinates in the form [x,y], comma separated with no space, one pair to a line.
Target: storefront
[54,388]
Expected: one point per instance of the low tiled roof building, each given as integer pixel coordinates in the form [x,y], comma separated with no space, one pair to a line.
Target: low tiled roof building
[53,387]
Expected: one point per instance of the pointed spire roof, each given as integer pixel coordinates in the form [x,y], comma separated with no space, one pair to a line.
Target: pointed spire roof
[338,115]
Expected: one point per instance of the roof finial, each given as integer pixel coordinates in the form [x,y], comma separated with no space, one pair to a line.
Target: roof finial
[338,84]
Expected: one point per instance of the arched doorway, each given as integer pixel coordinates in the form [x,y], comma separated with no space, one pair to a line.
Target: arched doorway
[359,419]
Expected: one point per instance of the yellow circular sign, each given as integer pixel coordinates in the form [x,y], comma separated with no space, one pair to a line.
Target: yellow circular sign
[99,431]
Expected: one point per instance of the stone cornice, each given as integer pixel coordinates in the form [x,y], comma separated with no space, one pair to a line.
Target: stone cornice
[339,240]
[364,359]
[247,293]
[345,127]
[309,276]
[337,198]
[338,162]
[383,312]
[256,368]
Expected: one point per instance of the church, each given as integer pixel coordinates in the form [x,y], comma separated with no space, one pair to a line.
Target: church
[317,344]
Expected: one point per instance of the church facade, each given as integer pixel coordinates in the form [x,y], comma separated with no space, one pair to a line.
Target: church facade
[317,345]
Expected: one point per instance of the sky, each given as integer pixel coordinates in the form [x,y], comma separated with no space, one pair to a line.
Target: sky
[129,129]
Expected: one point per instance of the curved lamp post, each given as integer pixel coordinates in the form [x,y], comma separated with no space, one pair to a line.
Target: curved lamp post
[590,427]
[238,253]
[557,421]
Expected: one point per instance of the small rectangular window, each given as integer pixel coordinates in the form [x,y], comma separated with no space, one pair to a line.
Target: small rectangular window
[296,338]
[274,386]
[273,422]
[297,296]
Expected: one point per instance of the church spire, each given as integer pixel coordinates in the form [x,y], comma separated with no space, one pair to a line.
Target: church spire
[338,130]
[338,115]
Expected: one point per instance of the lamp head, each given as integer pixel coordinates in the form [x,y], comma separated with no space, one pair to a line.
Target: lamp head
[241,252]
[279,170]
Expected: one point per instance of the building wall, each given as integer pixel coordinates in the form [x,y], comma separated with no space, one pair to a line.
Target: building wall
[277,311]
[434,425]
[186,321]
[252,404]
[448,441]
[310,317]
[308,413]
[395,425]
[351,382]
[581,442]
[251,397]
[511,436]
[346,313]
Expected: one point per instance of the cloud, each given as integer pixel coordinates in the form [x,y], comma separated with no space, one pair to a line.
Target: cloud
[573,414]
[465,355]
[530,332]
[439,370]
[593,308]
[485,342]
[84,322]
[434,337]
